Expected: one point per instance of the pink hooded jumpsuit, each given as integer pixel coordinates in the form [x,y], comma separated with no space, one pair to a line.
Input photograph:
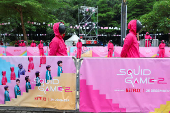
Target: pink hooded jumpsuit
[23,44]
[4,79]
[20,44]
[31,64]
[13,77]
[131,47]
[161,49]
[33,44]
[41,50]
[147,42]
[110,49]
[57,45]
[79,49]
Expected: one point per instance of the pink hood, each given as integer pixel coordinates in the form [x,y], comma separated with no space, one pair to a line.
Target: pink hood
[12,69]
[3,73]
[132,26]
[131,47]
[56,30]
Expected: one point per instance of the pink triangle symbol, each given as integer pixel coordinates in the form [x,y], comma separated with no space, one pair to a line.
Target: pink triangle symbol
[47,89]
[136,82]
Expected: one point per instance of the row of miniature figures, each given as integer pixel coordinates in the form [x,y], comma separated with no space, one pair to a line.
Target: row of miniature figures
[17,90]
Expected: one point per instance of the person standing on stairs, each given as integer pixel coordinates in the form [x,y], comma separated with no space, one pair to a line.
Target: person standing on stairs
[28,85]
[37,74]
[4,79]
[21,70]
[13,77]
[48,73]
[6,94]
[60,70]
[17,90]
[79,48]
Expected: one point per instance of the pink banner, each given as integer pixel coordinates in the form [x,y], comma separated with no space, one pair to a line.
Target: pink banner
[86,51]
[29,66]
[16,51]
[2,51]
[117,51]
[100,52]
[167,51]
[34,51]
[148,51]
[126,85]
[68,50]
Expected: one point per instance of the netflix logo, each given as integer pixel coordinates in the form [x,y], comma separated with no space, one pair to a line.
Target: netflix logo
[133,90]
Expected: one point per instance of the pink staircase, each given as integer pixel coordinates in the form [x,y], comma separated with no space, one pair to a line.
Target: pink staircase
[96,102]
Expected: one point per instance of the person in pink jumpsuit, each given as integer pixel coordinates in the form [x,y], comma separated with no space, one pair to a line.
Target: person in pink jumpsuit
[20,43]
[147,40]
[79,49]
[57,45]
[4,79]
[23,44]
[31,64]
[41,49]
[162,49]
[33,44]
[110,48]
[131,47]
[13,77]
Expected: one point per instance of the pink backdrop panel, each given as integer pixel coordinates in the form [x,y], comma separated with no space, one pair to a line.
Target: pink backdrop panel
[117,51]
[34,51]
[131,85]
[16,51]
[99,52]
[148,51]
[2,51]
[167,51]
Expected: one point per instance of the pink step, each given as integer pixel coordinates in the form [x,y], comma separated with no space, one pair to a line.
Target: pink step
[93,101]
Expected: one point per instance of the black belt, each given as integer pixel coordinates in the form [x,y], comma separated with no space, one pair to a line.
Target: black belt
[41,48]
[161,48]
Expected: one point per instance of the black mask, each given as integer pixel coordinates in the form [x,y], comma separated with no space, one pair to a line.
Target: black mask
[62,28]
[139,26]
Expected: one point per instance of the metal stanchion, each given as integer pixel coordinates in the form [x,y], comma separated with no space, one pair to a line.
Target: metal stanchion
[75,63]
[79,62]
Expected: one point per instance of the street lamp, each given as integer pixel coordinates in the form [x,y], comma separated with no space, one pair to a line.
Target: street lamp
[123,20]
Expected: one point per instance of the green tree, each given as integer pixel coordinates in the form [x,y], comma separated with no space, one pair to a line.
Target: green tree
[28,10]
[109,14]
[137,8]
[158,18]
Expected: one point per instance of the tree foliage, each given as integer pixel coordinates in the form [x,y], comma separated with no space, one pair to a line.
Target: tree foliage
[158,18]
[26,10]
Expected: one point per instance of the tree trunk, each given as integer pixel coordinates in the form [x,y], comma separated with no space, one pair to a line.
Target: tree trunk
[23,27]
[169,38]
